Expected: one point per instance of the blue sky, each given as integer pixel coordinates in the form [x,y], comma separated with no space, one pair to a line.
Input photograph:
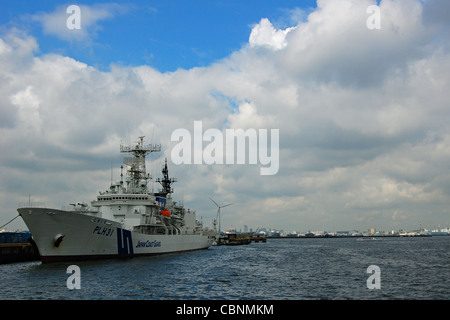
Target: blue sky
[166,35]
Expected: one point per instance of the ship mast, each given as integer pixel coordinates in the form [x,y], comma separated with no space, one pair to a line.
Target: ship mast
[166,182]
[139,177]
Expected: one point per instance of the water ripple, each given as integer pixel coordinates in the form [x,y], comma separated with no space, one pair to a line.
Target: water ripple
[281,269]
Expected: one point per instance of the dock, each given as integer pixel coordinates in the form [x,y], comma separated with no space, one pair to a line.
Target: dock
[17,247]
[18,252]
[233,239]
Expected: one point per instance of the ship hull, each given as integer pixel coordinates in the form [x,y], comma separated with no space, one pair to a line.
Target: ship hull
[71,236]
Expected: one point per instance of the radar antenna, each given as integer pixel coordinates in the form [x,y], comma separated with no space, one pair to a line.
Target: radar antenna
[166,182]
[137,172]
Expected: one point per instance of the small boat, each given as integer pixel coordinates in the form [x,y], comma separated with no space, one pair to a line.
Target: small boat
[369,239]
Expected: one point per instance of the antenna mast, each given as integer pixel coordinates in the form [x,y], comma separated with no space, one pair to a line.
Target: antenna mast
[137,171]
[166,182]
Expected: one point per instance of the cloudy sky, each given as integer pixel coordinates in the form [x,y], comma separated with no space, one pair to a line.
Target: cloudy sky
[362,113]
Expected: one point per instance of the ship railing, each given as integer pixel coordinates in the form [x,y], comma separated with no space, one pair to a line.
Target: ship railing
[31,205]
[80,209]
[148,148]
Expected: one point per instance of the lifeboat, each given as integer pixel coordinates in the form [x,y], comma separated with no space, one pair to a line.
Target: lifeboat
[165,213]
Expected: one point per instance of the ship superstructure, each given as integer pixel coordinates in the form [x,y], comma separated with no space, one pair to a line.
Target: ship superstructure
[125,220]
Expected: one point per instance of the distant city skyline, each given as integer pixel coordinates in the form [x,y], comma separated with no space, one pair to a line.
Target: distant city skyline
[367,230]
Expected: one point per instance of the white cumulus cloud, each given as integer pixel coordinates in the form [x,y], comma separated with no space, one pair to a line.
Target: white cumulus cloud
[265,34]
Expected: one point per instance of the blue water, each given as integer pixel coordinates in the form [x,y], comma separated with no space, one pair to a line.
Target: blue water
[280,269]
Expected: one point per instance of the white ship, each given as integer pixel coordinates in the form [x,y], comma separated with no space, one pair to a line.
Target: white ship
[124,221]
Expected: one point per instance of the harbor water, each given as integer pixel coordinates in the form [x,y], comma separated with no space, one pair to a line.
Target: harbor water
[280,269]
